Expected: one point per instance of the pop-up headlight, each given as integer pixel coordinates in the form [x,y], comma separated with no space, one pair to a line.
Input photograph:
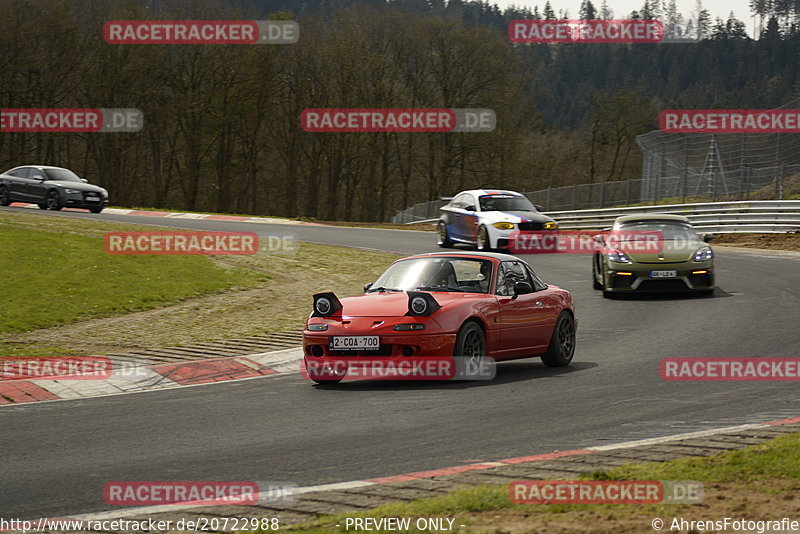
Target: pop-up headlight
[325,305]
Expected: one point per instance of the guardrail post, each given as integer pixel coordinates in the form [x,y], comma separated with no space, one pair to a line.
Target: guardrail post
[547,204]
[574,196]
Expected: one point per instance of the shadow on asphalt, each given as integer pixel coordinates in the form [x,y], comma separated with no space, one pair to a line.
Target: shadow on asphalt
[686,295]
[507,372]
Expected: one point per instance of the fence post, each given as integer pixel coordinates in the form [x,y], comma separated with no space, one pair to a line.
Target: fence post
[747,183]
[783,175]
[602,194]
[685,177]
[574,196]
[741,163]
[628,191]
[547,204]
[777,159]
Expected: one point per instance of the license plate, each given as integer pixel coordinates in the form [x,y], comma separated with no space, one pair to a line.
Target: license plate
[663,274]
[355,342]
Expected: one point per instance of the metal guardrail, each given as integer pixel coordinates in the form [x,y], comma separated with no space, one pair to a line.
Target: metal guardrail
[757,216]
[760,216]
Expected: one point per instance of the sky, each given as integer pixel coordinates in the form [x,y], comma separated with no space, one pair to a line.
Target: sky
[621,8]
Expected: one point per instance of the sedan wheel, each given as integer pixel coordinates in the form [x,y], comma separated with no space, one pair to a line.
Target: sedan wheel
[54,201]
[562,342]
[5,199]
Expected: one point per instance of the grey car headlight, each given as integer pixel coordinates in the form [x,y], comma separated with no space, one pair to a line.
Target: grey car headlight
[617,256]
[72,191]
[704,254]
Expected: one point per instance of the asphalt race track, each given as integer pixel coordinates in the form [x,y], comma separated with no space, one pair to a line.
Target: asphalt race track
[56,456]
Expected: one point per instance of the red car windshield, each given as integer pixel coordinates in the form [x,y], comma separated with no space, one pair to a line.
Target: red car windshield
[437,274]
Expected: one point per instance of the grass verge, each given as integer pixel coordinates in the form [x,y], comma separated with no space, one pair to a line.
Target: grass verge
[759,482]
[765,241]
[64,295]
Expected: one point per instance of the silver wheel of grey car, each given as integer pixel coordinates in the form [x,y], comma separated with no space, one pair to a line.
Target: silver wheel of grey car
[54,201]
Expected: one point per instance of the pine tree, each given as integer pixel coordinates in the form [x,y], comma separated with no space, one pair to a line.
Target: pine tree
[703,23]
[674,20]
[549,14]
[587,11]
[605,11]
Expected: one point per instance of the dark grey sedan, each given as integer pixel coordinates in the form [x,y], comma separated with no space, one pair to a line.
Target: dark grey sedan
[51,188]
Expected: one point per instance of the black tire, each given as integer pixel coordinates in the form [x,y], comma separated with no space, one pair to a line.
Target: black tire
[5,199]
[96,210]
[42,206]
[444,238]
[606,293]
[562,342]
[482,242]
[470,352]
[330,379]
[595,283]
[54,201]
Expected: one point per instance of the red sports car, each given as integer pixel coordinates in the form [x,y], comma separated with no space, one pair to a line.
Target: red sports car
[468,305]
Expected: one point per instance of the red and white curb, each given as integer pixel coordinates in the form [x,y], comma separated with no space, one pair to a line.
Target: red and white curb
[193,216]
[354,484]
[157,376]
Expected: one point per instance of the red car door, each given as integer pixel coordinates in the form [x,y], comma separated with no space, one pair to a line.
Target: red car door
[526,320]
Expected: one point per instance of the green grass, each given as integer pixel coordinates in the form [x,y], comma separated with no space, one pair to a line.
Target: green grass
[187,299]
[776,459]
[57,278]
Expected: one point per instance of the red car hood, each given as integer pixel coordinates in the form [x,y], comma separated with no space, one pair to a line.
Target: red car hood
[394,304]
